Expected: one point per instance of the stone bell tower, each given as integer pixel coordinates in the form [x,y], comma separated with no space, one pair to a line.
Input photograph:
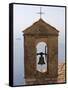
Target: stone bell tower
[40,31]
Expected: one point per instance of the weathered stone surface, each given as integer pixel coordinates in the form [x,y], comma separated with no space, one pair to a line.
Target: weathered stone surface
[60,78]
[41,32]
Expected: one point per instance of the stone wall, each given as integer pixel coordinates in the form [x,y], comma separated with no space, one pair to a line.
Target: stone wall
[30,43]
[29,57]
[53,56]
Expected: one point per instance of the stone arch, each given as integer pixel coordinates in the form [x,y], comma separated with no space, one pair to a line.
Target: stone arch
[41,47]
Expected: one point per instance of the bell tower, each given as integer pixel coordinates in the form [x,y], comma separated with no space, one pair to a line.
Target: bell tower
[40,31]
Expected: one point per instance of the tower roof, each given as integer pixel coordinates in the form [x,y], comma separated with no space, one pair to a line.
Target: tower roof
[41,27]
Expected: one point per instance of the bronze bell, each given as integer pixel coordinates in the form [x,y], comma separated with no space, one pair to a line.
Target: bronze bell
[41,59]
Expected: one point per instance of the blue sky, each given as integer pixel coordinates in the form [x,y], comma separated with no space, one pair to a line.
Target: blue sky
[25,16]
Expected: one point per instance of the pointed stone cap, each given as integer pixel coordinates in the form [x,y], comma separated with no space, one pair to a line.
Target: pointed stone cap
[40,27]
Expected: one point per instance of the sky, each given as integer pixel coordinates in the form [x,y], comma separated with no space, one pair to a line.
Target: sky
[24,16]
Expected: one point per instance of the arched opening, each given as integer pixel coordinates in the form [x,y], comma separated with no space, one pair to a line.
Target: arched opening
[41,58]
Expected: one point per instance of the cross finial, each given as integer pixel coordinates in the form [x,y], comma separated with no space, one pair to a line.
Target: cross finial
[40,12]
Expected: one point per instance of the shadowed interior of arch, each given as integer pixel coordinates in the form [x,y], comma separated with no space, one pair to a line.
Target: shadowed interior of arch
[41,65]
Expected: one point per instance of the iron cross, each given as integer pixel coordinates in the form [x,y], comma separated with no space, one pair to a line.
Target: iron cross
[40,12]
